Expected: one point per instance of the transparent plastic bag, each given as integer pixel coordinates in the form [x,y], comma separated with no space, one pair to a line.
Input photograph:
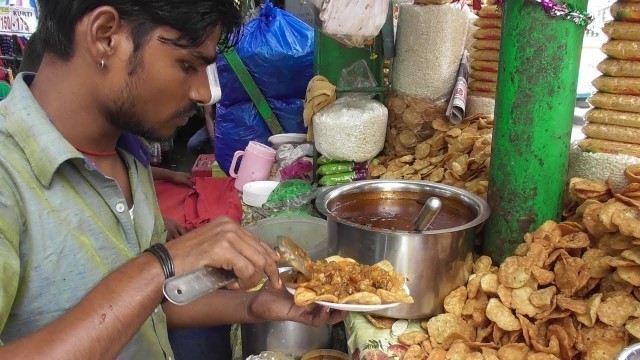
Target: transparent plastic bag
[357,76]
[291,197]
[618,85]
[616,102]
[270,355]
[343,20]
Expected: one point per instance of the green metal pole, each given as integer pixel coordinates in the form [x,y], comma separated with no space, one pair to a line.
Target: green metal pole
[535,100]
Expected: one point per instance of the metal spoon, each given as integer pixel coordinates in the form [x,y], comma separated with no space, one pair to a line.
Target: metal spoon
[429,211]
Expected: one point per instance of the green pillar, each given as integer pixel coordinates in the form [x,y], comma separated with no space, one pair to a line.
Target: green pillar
[537,81]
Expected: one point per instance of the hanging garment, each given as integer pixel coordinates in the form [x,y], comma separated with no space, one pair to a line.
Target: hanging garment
[194,207]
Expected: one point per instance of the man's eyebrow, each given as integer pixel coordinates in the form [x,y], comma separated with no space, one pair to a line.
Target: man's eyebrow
[208,60]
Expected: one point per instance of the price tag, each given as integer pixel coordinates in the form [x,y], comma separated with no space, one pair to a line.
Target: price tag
[23,20]
[5,19]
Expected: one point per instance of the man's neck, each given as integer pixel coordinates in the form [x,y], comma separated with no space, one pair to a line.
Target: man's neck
[73,106]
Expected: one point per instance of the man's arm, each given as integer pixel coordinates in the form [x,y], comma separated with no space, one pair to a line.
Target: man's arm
[227,307]
[103,322]
[109,315]
[209,117]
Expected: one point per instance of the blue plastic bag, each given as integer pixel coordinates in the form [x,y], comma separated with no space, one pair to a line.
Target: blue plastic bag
[277,49]
[241,123]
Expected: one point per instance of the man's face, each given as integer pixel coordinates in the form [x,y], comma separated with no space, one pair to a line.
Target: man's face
[161,86]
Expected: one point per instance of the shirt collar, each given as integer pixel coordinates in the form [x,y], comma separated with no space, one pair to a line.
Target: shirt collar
[44,146]
[42,143]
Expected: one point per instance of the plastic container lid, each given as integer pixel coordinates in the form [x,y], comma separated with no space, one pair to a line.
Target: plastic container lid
[256,193]
[281,139]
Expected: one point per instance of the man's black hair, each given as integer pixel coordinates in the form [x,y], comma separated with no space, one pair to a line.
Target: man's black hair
[193,19]
[32,54]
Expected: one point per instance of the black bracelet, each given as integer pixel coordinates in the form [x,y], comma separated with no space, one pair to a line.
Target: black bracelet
[162,254]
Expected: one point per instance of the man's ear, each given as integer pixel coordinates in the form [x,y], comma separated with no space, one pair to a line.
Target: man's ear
[104,32]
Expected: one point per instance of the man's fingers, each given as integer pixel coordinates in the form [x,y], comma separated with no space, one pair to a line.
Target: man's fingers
[335,316]
[264,264]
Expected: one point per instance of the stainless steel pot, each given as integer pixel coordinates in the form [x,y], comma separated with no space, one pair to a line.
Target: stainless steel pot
[435,261]
[287,337]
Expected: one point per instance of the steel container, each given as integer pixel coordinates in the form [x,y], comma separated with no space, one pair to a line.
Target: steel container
[435,262]
[290,338]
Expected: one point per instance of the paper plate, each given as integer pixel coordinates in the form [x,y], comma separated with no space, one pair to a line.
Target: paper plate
[353,307]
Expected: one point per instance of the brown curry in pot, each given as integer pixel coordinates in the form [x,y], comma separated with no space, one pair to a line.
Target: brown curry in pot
[396,211]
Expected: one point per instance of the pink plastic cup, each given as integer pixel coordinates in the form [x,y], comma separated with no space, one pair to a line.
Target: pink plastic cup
[257,160]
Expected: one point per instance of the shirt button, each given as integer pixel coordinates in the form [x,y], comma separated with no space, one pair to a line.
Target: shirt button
[155,311]
[120,207]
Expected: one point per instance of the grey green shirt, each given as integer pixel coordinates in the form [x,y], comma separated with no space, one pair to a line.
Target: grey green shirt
[64,225]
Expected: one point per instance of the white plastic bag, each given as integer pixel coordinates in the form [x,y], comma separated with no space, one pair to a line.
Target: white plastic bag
[353,22]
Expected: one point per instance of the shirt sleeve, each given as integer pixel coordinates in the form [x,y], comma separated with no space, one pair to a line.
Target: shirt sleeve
[10,224]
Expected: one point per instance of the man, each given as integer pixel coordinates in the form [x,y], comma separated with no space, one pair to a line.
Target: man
[77,208]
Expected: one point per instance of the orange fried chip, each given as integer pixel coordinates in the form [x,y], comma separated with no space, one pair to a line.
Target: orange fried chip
[502,316]
[615,310]
[514,272]
[361,298]
[454,302]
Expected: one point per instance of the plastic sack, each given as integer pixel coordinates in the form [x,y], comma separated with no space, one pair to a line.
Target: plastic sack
[615,102]
[625,11]
[620,30]
[426,65]
[612,117]
[615,67]
[485,55]
[612,132]
[343,20]
[622,49]
[343,178]
[487,44]
[277,50]
[617,85]
[410,122]
[609,147]
[237,125]
[351,129]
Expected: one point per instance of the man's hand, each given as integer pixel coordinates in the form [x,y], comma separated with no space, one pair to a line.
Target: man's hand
[224,244]
[277,305]
[174,230]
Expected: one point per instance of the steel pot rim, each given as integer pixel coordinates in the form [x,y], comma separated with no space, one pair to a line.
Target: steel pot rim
[477,203]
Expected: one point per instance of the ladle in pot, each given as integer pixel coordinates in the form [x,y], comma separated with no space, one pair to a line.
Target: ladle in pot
[429,211]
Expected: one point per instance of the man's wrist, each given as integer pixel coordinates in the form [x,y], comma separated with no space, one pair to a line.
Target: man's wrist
[251,315]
